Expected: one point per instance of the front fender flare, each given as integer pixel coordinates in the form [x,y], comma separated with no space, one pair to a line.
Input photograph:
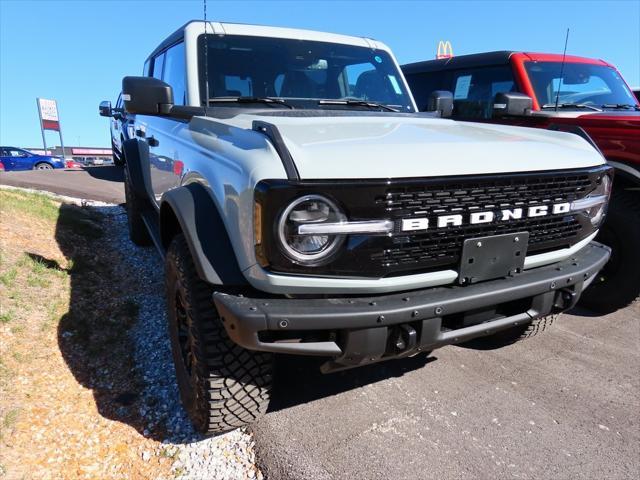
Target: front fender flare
[205,232]
[136,154]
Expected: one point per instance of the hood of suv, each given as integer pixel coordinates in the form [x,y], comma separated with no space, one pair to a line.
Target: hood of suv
[397,146]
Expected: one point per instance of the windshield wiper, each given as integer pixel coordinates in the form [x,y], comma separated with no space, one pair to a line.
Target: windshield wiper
[571,105]
[268,100]
[358,103]
[626,106]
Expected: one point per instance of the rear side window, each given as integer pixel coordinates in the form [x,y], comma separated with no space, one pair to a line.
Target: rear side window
[475,89]
[174,72]
[145,69]
[422,84]
[158,63]
[15,152]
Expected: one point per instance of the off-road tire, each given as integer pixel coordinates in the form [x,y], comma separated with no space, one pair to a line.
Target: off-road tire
[514,334]
[118,158]
[225,386]
[138,232]
[618,283]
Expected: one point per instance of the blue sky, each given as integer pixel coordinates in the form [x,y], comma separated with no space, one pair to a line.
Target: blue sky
[78,51]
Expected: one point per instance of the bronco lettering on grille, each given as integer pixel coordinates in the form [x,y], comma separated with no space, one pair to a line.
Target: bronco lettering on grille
[442,221]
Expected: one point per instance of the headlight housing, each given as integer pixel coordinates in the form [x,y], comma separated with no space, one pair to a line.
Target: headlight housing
[594,205]
[309,249]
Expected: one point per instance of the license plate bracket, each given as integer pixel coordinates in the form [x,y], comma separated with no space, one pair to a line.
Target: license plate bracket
[496,256]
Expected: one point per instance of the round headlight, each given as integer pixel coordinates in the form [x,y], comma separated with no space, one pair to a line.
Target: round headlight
[309,249]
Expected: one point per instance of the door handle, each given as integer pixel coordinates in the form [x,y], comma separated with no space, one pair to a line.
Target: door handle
[152,141]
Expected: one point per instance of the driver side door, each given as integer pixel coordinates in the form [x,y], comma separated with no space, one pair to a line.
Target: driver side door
[18,159]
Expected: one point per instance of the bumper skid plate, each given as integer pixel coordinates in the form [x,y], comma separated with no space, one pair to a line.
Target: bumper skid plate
[361,330]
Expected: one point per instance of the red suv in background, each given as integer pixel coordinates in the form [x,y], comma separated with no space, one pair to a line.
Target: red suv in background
[580,95]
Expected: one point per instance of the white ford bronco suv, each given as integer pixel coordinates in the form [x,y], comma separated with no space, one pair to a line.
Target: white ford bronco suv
[303,206]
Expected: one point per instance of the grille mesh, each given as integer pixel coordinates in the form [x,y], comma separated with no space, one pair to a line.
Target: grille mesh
[442,247]
[507,192]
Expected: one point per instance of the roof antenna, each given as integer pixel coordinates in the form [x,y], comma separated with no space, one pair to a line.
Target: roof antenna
[206,61]
[564,54]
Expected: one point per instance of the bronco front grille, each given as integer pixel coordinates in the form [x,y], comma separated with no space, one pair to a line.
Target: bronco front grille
[510,191]
[409,252]
[442,247]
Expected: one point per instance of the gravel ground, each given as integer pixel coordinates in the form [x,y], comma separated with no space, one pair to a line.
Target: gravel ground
[228,456]
[166,435]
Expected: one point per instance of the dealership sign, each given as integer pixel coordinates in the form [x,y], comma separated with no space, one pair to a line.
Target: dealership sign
[49,114]
[49,119]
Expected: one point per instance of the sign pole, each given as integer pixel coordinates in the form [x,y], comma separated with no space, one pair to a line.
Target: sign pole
[44,141]
[60,131]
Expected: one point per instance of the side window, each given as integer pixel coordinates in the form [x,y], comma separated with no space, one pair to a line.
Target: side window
[14,152]
[175,71]
[158,63]
[145,69]
[423,84]
[474,90]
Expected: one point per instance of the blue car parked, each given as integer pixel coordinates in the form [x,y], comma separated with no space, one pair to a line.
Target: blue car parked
[19,159]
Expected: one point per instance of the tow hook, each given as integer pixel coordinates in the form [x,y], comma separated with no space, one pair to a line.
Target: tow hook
[566,298]
[406,338]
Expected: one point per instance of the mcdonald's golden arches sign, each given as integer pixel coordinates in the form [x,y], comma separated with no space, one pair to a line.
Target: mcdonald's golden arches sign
[445,50]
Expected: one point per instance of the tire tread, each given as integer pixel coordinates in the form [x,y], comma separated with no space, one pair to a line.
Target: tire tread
[236,382]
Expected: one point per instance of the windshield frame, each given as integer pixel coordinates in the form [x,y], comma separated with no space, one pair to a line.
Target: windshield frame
[398,84]
[540,100]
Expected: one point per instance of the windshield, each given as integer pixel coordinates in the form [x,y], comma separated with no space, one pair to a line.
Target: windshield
[582,83]
[300,71]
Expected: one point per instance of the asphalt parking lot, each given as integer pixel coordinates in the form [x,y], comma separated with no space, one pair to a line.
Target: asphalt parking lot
[562,405]
[92,183]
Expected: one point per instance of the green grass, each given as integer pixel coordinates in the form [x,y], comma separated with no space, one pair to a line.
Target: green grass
[6,317]
[10,418]
[79,220]
[20,358]
[52,315]
[168,452]
[9,277]
[5,374]
[35,204]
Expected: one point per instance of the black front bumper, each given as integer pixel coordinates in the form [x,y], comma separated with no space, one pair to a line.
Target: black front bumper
[358,330]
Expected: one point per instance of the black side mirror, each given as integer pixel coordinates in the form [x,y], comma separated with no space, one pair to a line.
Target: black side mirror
[146,95]
[441,101]
[512,104]
[105,109]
